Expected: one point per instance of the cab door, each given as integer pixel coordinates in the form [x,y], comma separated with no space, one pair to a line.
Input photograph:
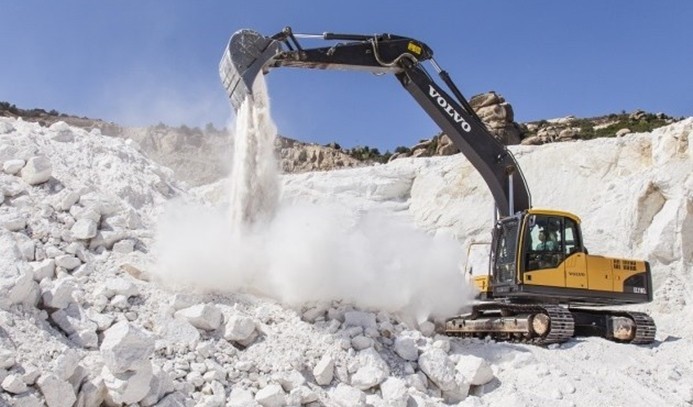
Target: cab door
[575,260]
[544,263]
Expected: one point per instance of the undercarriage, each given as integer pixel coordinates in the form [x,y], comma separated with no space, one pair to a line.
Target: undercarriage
[544,324]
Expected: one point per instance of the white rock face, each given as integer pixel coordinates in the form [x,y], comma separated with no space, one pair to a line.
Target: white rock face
[203,316]
[126,347]
[37,170]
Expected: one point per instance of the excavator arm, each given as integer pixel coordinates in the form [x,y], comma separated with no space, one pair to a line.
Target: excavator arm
[248,54]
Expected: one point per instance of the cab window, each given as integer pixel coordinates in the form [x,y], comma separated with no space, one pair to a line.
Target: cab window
[544,242]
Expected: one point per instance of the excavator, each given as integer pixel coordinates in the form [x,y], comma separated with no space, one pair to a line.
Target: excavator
[542,285]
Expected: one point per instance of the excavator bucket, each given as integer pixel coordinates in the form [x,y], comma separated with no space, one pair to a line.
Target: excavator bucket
[245,57]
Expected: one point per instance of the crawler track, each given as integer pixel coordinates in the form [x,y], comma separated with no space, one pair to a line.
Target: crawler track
[560,327]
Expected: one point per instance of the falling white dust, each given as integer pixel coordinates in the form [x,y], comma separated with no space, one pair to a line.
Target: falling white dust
[301,253]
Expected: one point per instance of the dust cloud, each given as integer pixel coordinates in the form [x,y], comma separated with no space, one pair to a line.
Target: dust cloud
[301,253]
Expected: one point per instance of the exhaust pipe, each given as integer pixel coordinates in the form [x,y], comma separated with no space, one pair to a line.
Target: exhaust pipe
[246,55]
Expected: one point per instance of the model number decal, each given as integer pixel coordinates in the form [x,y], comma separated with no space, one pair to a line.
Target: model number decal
[639,290]
[442,102]
[414,48]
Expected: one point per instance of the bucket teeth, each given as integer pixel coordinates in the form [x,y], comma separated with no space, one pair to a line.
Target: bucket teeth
[245,56]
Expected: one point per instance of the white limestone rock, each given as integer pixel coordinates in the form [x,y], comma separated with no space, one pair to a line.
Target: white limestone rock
[57,392]
[372,370]
[130,386]
[203,316]
[67,261]
[84,229]
[301,396]
[367,377]
[126,347]
[106,205]
[271,396]
[7,359]
[290,380]
[66,364]
[31,374]
[25,290]
[106,239]
[59,295]
[12,221]
[240,397]
[121,286]
[65,199]
[394,392]
[26,246]
[438,367]
[37,170]
[92,392]
[175,399]
[102,321]
[347,396]
[124,246]
[239,328]
[176,331]
[475,370]
[43,269]
[12,166]
[406,348]
[361,342]
[360,318]
[27,400]
[324,371]
[14,384]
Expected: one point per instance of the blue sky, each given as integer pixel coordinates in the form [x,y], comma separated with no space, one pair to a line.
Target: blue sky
[145,62]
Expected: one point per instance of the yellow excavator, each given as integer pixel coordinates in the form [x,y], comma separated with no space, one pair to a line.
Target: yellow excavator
[542,286]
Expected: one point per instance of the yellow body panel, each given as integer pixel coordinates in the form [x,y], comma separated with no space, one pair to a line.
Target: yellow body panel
[587,272]
[601,273]
[552,277]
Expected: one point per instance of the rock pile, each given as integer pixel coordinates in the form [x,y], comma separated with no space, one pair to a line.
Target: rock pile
[84,327]
[81,325]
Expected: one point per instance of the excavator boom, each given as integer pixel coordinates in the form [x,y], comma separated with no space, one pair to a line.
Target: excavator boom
[249,53]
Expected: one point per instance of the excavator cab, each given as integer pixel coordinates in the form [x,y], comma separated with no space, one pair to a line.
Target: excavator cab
[539,254]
